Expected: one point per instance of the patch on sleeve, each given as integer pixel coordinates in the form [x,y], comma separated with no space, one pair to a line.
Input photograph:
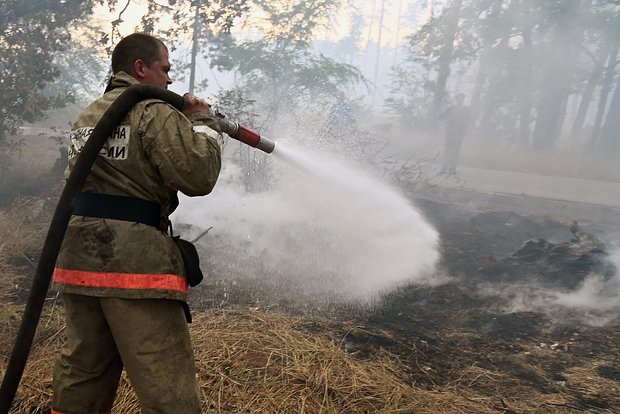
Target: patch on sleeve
[115,148]
[210,132]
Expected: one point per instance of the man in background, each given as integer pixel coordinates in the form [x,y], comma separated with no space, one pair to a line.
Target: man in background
[340,116]
[457,119]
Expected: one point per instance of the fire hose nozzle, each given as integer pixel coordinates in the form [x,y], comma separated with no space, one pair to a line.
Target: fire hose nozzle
[245,135]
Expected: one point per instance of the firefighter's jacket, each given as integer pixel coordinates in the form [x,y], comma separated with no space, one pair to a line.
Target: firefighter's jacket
[154,153]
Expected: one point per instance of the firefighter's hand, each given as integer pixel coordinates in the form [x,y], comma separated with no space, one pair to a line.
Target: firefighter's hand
[192,105]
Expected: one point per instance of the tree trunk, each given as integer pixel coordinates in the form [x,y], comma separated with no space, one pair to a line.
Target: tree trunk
[481,78]
[610,134]
[445,57]
[547,128]
[605,91]
[584,103]
[370,26]
[397,35]
[483,92]
[378,57]
[525,107]
[195,39]
[492,96]
[556,78]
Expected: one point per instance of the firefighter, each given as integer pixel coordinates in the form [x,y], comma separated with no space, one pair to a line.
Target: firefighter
[120,273]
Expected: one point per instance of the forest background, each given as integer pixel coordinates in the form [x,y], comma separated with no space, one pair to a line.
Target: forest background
[542,81]
[541,78]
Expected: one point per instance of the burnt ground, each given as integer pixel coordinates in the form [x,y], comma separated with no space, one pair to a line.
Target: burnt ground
[448,330]
[454,327]
[464,334]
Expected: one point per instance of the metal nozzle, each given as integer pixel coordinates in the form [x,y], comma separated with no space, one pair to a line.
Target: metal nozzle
[243,134]
[265,145]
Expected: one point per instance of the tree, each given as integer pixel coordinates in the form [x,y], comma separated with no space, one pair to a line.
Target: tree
[278,57]
[557,72]
[280,65]
[410,91]
[451,15]
[522,58]
[194,22]
[32,34]
[432,49]
[610,139]
[610,44]
[587,94]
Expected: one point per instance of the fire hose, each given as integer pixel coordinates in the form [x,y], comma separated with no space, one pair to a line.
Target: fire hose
[58,225]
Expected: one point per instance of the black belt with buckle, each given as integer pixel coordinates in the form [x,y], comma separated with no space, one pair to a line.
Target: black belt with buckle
[118,208]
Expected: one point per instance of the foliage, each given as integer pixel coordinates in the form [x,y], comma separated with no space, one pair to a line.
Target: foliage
[210,16]
[410,96]
[276,61]
[236,105]
[32,35]
[82,72]
[280,65]
[294,21]
[193,22]
[291,73]
[523,59]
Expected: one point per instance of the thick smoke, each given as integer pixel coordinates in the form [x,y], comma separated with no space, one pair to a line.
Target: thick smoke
[596,293]
[595,302]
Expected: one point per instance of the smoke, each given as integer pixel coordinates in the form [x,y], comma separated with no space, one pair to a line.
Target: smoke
[324,228]
[598,297]
[596,293]
[595,302]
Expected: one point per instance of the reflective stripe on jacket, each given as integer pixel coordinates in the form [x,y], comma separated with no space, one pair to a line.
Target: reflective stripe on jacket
[120,280]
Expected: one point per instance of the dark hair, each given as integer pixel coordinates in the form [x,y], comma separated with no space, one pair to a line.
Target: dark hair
[133,47]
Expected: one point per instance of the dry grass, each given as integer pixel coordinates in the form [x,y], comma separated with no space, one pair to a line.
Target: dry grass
[582,390]
[261,362]
[20,228]
[250,362]
[255,362]
[30,161]
[266,363]
[20,239]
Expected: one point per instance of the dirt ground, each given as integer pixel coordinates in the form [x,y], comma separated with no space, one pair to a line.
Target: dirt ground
[455,328]
[448,330]
[463,335]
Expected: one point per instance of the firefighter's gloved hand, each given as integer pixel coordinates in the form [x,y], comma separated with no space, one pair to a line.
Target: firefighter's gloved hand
[194,105]
[198,112]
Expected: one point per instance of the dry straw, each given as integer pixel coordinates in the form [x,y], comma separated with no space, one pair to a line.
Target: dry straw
[256,362]
[269,363]
[20,238]
[251,362]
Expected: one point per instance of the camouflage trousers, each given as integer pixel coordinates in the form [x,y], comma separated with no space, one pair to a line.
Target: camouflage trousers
[148,337]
